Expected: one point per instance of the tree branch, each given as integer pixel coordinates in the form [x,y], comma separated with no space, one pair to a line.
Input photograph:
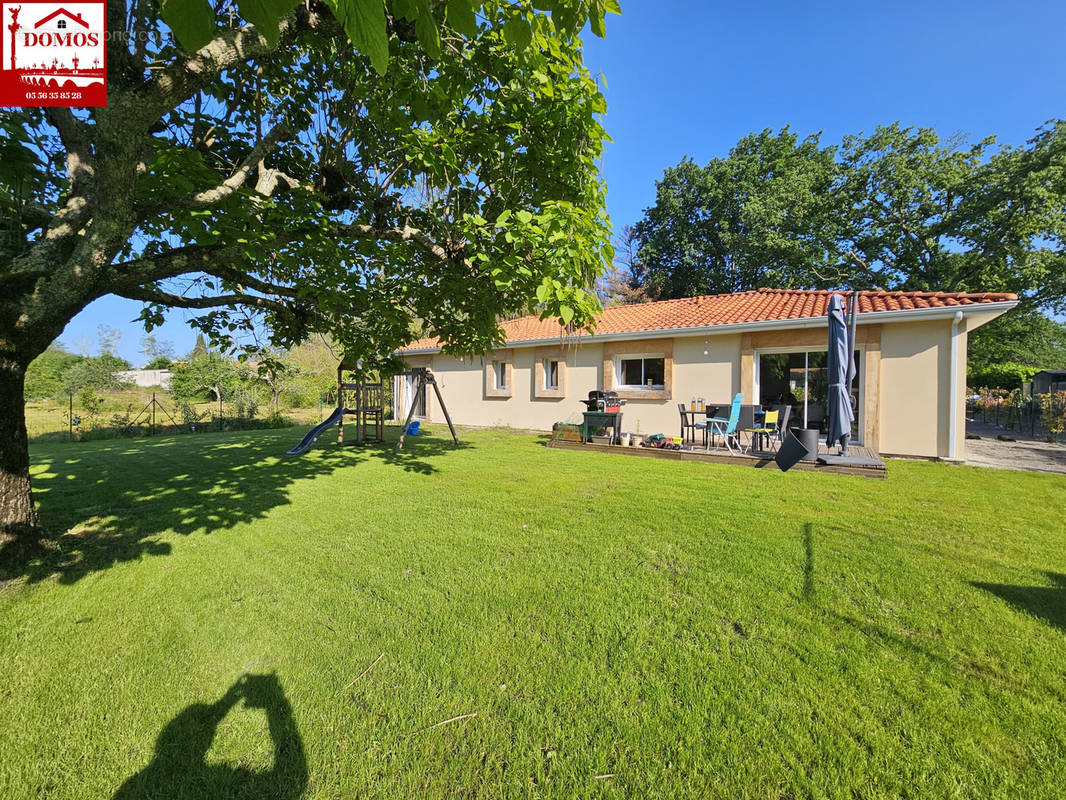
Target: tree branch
[400,234]
[211,260]
[73,135]
[154,295]
[243,280]
[235,181]
[184,77]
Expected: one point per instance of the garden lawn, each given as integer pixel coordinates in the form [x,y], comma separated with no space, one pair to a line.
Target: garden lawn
[592,625]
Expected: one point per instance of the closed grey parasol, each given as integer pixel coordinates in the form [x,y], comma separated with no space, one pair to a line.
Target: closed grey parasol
[839,367]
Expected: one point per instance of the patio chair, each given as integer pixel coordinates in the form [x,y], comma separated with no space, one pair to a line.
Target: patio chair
[816,417]
[727,428]
[767,431]
[784,414]
[689,426]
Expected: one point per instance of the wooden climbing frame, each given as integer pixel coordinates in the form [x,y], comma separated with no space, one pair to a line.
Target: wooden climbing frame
[365,402]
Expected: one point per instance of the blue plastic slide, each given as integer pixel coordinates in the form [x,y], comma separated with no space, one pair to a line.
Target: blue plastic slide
[315,432]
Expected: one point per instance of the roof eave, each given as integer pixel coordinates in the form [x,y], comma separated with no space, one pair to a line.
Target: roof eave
[902,315]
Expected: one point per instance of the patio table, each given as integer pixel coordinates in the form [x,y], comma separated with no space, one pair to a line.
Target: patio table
[688,420]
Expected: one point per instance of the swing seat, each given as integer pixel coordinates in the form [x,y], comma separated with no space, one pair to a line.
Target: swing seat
[412,429]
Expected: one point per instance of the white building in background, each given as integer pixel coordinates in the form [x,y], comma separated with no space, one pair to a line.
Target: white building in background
[146,377]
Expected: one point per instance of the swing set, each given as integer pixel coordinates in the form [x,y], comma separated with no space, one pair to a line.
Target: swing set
[366,402]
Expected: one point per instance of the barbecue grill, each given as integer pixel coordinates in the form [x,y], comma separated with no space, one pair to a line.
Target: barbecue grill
[603,401]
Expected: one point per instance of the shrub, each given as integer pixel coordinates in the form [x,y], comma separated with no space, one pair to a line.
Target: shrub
[1008,375]
[95,374]
[44,376]
[1053,413]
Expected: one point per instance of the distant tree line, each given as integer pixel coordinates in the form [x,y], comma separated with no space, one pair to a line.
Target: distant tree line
[901,208]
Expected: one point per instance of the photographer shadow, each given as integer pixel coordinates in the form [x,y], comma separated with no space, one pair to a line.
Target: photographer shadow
[179,768]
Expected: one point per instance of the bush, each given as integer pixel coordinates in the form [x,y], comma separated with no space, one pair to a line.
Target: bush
[44,376]
[1053,413]
[95,374]
[1008,375]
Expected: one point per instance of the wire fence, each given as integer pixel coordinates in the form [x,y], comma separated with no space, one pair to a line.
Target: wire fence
[86,417]
[1040,416]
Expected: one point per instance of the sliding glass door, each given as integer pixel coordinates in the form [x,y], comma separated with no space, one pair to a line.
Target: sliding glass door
[798,379]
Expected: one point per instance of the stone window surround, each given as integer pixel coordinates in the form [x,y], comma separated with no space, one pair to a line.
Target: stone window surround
[611,351]
[507,358]
[540,355]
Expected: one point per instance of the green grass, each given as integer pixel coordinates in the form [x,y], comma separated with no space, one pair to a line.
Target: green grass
[691,630]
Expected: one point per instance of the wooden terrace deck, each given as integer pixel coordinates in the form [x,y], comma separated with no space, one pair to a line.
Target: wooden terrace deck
[876,469]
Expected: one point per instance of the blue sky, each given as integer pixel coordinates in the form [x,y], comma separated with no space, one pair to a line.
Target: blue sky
[690,78]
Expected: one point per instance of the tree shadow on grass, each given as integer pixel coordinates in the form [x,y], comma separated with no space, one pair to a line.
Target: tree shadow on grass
[104,505]
[1045,602]
[179,768]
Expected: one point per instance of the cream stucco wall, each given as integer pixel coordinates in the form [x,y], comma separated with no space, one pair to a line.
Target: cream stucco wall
[707,367]
[915,381]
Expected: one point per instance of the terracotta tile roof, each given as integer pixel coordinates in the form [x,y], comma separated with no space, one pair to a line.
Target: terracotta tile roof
[758,305]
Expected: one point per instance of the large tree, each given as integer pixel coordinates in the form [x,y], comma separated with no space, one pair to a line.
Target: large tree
[900,208]
[755,218]
[443,171]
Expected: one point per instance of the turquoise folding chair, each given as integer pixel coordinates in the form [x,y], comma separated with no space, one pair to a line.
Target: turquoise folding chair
[727,428]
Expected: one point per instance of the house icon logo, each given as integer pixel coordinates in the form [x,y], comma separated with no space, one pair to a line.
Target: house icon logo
[53,54]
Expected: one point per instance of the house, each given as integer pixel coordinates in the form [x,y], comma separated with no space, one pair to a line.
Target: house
[769,344]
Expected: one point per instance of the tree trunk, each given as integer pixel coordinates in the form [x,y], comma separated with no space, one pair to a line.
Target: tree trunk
[18,518]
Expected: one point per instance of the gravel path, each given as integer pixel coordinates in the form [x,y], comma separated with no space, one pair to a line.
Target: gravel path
[1026,453]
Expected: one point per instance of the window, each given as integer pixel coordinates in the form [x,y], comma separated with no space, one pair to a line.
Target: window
[61,24]
[798,379]
[551,373]
[641,372]
[498,369]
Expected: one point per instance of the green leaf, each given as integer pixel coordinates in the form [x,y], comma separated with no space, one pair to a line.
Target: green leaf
[364,22]
[428,32]
[542,292]
[460,15]
[517,33]
[192,21]
[524,216]
[407,9]
[265,14]
[567,313]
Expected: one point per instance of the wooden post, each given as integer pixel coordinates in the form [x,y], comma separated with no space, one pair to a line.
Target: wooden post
[444,408]
[340,404]
[411,413]
[153,415]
